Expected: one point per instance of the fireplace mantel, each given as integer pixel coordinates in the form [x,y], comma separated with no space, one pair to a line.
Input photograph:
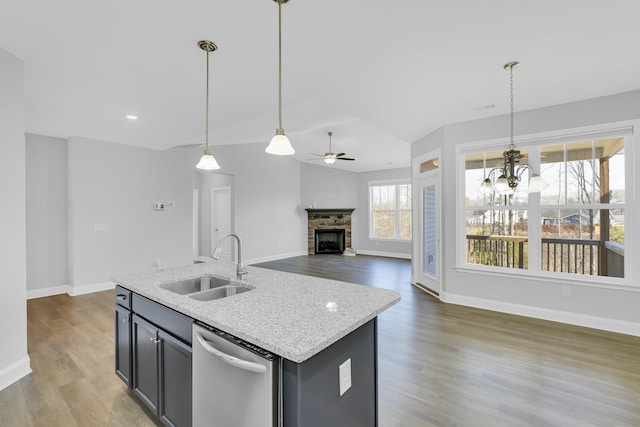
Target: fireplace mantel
[330,211]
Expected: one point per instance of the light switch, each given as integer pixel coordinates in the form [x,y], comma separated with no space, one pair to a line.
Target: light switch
[344,371]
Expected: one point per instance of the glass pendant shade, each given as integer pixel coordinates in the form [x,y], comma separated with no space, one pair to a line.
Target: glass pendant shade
[208,162]
[486,187]
[280,145]
[502,184]
[537,184]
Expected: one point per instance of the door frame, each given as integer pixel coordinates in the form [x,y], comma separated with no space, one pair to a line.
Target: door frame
[420,179]
[213,230]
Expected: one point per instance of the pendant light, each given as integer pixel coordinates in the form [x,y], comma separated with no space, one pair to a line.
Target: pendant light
[512,170]
[280,144]
[207,161]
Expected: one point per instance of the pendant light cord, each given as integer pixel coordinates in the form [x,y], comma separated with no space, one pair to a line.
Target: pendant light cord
[512,146]
[206,121]
[279,65]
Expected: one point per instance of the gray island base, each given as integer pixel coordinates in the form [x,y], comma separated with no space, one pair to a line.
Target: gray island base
[321,334]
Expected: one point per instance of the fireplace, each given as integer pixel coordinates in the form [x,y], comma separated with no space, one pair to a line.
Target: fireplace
[329,230]
[329,241]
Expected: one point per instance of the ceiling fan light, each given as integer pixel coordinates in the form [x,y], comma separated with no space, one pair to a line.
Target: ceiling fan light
[208,162]
[280,145]
[330,160]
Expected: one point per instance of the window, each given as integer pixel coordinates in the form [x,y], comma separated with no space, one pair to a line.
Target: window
[573,226]
[390,211]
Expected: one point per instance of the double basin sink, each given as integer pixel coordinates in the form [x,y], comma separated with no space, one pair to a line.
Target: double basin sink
[206,288]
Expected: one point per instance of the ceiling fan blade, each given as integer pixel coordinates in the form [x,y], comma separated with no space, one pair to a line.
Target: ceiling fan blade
[341,154]
[344,158]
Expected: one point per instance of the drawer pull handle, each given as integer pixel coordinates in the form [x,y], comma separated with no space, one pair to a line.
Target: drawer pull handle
[125,320]
[155,340]
[121,297]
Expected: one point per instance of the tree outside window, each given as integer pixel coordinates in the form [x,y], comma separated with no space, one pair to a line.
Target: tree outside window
[390,211]
[580,213]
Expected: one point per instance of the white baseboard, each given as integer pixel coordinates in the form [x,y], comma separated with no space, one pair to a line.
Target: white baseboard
[577,319]
[14,372]
[47,292]
[275,257]
[383,254]
[87,289]
[71,290]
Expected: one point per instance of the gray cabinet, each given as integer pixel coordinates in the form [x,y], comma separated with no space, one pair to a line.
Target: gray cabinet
[123,344]
[122,328]
[145,381]
[159,357]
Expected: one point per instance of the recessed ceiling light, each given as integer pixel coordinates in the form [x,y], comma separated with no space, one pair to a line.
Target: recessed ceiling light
[131,117]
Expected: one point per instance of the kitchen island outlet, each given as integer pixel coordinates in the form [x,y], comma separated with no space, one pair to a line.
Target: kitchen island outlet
[320,335]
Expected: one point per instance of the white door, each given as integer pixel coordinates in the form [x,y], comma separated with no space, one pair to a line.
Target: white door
[429,274]
[221,220]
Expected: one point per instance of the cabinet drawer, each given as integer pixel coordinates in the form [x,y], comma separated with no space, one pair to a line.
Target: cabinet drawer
[166,318]
[123,297]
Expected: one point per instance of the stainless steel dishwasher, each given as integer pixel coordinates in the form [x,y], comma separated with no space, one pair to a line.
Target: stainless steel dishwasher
[235,383]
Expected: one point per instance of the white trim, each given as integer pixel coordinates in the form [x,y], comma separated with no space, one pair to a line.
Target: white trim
[70,290]
[391,239]
[87,289]
[276,257]
[15,372]
[577,319]
[383,254]
[395,183]
[627,128]
[47,292]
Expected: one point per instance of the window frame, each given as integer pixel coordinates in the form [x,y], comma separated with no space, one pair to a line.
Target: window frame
[397,210]
[626,129]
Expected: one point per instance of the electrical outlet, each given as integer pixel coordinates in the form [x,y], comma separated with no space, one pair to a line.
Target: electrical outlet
[344,371]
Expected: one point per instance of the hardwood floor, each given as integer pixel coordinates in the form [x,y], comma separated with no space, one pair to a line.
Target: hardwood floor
[439,364]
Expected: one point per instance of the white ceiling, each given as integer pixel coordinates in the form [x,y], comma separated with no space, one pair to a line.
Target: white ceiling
[379,74]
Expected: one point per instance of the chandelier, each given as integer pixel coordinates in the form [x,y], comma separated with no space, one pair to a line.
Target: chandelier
[511,171]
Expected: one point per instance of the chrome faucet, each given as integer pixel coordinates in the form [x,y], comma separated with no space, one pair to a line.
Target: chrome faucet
[241,270]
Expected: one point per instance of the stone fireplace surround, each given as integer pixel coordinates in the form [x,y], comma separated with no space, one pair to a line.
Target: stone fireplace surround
[328,219]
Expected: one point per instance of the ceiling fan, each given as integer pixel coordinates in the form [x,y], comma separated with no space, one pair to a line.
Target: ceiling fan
[331,157]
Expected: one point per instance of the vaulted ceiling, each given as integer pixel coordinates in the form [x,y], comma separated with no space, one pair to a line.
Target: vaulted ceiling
[378,74]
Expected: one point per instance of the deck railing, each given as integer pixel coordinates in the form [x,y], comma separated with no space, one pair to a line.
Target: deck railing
[577,256]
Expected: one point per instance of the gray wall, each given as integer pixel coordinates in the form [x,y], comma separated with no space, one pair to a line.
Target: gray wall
[612,307]
[14,361]
[46,214]
[113,228]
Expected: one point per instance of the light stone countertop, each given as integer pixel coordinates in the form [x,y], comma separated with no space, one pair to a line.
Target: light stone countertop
[287,314]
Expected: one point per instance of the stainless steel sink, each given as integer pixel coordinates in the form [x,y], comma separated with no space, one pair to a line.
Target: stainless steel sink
[220,292]
[199,284]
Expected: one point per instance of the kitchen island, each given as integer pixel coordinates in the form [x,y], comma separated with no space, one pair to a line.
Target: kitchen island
[315,325]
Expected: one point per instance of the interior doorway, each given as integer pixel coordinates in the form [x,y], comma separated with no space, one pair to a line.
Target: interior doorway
[213,214]
[221,221]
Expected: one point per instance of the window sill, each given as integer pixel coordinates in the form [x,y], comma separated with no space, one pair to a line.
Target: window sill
[563,279]
[389,239]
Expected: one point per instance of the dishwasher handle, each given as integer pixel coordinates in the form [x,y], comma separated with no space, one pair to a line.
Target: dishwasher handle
[231,360]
